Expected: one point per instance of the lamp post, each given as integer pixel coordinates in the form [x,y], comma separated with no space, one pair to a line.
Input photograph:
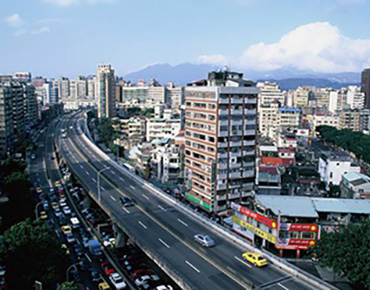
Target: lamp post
[98,182]
[36,211]
[69,268]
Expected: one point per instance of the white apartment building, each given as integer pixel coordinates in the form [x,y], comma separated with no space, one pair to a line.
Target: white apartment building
[325,120]
[355,98]
[220,140]
[267,119]
[64,88]
[175,96]
[270,92]
[159,128]
[333,165]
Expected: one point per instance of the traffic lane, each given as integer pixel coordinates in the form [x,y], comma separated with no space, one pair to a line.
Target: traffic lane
[224,253]
[189,253]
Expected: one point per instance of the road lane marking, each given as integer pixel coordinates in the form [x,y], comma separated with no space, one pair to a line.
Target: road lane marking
[162,208]
[87,257]
[125,209]
[102,188]
[192,266]
[121,179]
[87,172]
[57,233]
[94,180]
[282,286]
[241,261]
[144,226]
[81,167]
[167,246]
[184,223]
[112,197]
[133,187]
[112,172]
[145,196]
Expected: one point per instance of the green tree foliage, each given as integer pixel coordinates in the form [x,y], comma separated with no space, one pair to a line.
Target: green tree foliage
[355,142]
[67,286]
[29,252]
[148,112]
[347,252]
[105,131]
[134,112]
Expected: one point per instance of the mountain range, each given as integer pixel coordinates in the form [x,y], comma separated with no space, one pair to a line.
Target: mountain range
[287,78]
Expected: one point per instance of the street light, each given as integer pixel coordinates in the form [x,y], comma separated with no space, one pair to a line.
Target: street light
[69,268]
[98,182]
[36,211]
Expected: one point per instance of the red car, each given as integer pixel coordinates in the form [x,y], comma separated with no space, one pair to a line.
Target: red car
[107,268]
[141,272]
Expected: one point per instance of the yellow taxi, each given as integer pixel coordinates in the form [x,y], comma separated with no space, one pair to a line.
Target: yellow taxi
[103,286]
[39,190]
[54,205]
[66,229]
[255,259]
[57,183]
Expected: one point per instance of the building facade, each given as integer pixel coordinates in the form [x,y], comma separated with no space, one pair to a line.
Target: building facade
[106,92]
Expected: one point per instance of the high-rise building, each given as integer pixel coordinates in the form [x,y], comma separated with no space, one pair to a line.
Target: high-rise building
[91,87]
[270,92]
[365,86]
[6,120]
[106,92]
[30,105]
[17,95]
[220,140]
[355,98]
[175,96]
[64,88]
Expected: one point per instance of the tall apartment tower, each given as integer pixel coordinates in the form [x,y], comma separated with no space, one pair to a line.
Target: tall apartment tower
[365,86]
[220,140]
[106,91]
[6,120]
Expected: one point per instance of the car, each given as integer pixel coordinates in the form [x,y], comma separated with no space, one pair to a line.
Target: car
[255,259]
[139,272]
[45,205]
[33,157]
[62,203]
[107,268]
[66,229]
[103,286]
[66,249]
[94,275]
[51,190]
[70,238]
[145,279]
[66,210]
[58,212]
[125,201]
[62,220]
[164,287]
[57,183]
[38,190]
[85,241]
[204,240]
[43,215]
[117,281]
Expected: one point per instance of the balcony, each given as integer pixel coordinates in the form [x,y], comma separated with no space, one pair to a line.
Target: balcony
[223,100]
[235,175]
[249,173]
[250,112]
[249,143]
[251,101]
[222,166]
[223,133]
[223,112]
[238,144]
[250,132]
[221,186]
[222,155]
[235,165]
[236,112]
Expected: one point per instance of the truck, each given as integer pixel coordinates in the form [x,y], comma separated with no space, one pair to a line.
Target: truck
[95,248]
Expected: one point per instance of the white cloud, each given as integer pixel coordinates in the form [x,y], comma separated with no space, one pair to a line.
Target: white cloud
[65,3]
[41,30]
[319,47]
[216,59]
[14,20]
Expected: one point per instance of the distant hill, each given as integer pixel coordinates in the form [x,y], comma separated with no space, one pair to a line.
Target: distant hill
[288,78]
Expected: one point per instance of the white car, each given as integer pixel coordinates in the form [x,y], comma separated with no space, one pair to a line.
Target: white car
[204,240]
[66,210]
[62,203]
[164,287]
[146,278]
[58,212]
[117,281]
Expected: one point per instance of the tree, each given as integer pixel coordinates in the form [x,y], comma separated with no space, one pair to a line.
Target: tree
[347,252]
[67,286]
[148,112]
[105,131]
[30,252]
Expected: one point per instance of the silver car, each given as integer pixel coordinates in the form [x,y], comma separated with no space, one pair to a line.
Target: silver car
[204,240]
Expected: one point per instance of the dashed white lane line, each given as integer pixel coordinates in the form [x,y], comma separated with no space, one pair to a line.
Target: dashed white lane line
[112,172]
[112,197]
[94,180]
[133,187]
[192,266]
[81,167]
[145,196]
[144,226]
[121,179]
[87,172]
[241,261]
[125,209]
[167,246]
[184,223]
[102,188]
[162,208]
[282,286]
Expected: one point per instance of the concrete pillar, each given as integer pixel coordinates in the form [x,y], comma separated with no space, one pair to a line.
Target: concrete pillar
[281,253]
[298,254]
[121,237]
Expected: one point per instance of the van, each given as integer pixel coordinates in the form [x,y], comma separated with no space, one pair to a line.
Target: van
[75,223]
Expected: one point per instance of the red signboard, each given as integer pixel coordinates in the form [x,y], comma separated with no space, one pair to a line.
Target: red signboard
[299,227]
[294,244]
[256,216]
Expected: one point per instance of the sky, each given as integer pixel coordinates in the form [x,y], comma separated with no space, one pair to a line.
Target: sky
[70,37]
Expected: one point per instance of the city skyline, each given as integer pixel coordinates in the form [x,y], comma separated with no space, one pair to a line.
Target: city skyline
[63,37]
